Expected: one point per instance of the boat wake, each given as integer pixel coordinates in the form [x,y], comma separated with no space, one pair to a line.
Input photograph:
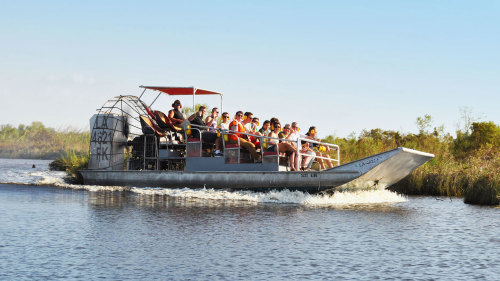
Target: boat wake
[280,197]
[23,173]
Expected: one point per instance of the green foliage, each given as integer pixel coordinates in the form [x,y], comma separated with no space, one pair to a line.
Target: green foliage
[482,135]
[71,163]
[423,123]
[468,165]
[485,134]
[188,110]
[39,142]
[484,190]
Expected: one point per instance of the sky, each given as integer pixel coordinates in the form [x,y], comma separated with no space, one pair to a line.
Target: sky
[343,66]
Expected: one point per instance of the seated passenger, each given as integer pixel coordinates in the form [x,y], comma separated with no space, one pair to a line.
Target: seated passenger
[254,130]
[288,134]
[247,121]
[273,121]
[237,126]
[308,157]
[282,146]
[211,120]
[311,134]
[266,128]
[175,114]
[210,137]
[224,124]
[307,154]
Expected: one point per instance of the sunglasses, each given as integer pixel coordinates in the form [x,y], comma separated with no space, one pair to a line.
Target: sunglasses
[239,115]
[225,116]
[217,112]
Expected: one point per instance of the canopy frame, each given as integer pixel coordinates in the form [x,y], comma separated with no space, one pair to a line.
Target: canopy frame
[181,91]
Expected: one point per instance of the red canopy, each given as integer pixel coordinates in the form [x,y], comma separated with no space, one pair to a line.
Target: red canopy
[180,91]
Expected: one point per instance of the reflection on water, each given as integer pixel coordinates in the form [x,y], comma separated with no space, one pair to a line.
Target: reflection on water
[159,201]
[52,233]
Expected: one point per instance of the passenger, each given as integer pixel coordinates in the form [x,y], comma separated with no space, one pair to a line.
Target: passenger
[311,134]
[255,126]
[197,117]
[206,136]
[247,121]
[237,126]
[266,128]
[293,133]
[224,124]
[254,130]
[282,146]
[211,120]
[288,134]
[274,120]
[175,114]
[307,154]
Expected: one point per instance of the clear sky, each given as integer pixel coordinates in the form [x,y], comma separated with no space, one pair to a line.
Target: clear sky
[344,66]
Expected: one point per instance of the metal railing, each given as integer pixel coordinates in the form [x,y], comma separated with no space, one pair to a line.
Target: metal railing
[334,146]
[266,140]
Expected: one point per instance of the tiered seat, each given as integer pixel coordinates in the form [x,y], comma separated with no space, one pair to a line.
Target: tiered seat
[165,122]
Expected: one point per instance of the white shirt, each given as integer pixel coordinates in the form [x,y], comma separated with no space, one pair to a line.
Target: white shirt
[248,127]
[224,126]
[294,136]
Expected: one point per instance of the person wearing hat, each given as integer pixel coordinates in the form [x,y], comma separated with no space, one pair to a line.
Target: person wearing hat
[175,114]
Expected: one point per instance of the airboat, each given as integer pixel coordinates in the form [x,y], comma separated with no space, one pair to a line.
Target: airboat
[134,145]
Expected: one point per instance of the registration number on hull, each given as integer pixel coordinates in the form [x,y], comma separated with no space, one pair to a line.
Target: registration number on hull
[309,175]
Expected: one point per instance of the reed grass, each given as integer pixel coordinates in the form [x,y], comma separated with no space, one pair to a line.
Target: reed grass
[71,163]
[466,166]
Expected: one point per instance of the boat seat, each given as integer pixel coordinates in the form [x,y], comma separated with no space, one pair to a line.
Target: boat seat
[234,154]
[148,110]
[149,127]
[165,122]
[270,157]
[198,148]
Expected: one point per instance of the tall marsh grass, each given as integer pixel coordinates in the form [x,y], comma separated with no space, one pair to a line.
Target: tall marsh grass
[467,165]
[71,163]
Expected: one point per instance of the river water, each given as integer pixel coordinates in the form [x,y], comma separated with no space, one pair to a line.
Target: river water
[53,230]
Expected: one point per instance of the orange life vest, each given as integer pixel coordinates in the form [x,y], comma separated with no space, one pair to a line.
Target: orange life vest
[236,126]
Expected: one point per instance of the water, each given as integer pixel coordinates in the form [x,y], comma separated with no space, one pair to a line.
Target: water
[52,230]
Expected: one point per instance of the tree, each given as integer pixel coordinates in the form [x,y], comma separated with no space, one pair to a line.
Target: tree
[188,110]
[424,123]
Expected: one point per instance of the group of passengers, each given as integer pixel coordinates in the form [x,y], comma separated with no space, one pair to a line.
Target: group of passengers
[245,131]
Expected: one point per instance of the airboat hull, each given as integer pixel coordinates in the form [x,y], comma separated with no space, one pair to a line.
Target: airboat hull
[374,172]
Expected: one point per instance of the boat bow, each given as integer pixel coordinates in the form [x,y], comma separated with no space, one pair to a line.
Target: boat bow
[384,169]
